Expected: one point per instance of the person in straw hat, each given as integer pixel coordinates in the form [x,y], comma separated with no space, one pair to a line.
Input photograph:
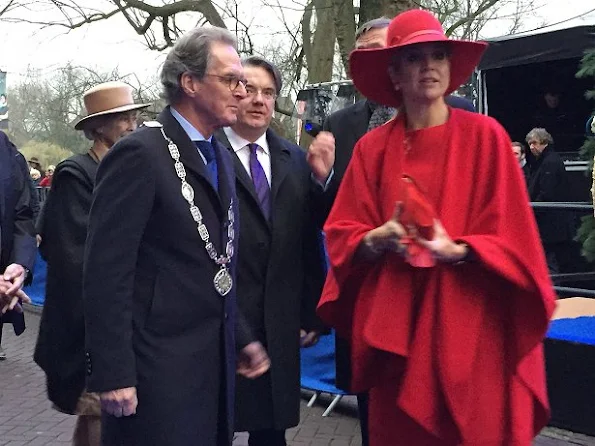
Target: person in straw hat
[111,114]
[445,309]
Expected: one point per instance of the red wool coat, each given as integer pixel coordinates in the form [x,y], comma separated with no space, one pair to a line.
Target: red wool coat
[461,343]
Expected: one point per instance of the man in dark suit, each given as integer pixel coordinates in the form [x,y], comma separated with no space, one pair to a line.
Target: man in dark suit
[549,182]
[281,267]
[161,323]
[519,152]
[18,247]
[342,130]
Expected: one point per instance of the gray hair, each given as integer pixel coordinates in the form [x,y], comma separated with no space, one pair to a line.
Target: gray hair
[191,54]
[540,135]
[269,67]
[379,23]
[90,127]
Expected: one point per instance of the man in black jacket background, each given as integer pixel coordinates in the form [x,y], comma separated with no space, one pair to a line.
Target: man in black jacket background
[548,182]
[18,247]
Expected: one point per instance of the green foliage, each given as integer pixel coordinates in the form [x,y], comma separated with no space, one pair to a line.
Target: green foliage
[586,232]
[46,152]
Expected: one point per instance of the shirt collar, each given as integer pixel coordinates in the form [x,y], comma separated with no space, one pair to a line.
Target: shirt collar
[190,130]
[238,143]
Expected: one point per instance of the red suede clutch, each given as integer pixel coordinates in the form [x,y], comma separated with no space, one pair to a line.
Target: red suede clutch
[417,212]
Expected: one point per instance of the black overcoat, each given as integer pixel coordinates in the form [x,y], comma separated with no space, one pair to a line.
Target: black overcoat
[549,182]
[60,348]
[153,318]
[17,226]
[280,277]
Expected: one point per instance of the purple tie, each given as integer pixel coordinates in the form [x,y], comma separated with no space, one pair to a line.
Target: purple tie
[263,191]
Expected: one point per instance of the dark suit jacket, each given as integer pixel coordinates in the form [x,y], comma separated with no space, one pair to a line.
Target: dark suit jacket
[280,278]
[17,227]
[153,318]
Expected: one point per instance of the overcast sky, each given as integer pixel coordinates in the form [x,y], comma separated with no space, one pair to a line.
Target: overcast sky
[112,43]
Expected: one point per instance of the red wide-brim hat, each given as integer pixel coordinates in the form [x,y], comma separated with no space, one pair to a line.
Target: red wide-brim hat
[369,67]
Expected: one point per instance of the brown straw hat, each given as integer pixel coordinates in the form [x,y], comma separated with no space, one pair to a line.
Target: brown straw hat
[106,99]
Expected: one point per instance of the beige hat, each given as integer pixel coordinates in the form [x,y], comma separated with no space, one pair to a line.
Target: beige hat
[106,99]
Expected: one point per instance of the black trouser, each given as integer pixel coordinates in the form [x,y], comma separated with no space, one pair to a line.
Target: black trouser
[362,408]
[1,326]
[267,437]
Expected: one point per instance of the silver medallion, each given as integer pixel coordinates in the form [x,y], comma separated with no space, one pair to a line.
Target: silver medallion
[187,191]
[223,281]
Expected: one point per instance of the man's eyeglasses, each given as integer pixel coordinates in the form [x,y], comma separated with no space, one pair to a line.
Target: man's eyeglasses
[232,82]
[267,93]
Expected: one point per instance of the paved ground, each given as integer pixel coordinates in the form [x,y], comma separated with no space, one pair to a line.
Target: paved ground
[26,417]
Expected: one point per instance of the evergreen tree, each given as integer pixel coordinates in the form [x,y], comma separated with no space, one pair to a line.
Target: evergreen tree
[586,232]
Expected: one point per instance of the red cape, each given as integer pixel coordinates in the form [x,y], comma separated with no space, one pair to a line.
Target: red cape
[501,303]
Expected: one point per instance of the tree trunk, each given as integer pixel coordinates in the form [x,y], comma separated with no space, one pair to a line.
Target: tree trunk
[320,63]
[344,13]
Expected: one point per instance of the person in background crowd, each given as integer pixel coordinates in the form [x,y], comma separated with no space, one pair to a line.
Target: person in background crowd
[161,324]
[519,152]
[18,247]
[35,176]
[557,113]
[47,179]
[549,182]
[281,268]
[35,164]
[60,349]
[421,259]
[342,130]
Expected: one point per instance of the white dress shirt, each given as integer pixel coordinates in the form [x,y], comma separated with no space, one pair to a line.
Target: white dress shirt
[240,147]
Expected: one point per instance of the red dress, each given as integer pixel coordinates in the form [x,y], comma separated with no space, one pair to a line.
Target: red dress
[451,355]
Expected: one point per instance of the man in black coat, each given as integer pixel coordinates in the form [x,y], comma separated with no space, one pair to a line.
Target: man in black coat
[281,267]
[519,152]
[159,285]
[342,130]
[548,182]
[18,247]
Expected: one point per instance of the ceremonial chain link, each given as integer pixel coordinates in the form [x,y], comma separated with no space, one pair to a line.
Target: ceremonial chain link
[188,193]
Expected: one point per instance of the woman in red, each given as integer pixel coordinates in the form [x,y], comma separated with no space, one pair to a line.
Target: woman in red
[47,180]
[438,276]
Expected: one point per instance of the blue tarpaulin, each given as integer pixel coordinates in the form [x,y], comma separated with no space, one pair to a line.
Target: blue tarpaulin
[318,366]
[580,329]
[36,291]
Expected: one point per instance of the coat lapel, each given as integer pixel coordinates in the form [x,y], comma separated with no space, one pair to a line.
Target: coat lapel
[280,165]
[359,120]
[225,170]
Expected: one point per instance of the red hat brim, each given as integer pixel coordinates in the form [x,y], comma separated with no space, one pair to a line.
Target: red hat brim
[369,67]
